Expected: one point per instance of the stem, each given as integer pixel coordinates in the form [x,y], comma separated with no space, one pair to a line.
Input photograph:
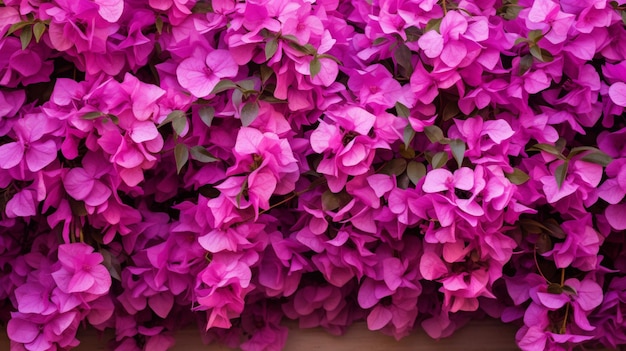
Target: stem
[564,325]
[537,265]
[443,5]
[562,276]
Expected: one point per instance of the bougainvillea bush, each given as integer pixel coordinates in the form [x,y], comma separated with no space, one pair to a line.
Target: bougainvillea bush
[414,164]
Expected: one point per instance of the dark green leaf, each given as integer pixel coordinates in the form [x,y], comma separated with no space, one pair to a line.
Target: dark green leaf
[546,56]
[555,288]
[531,226]
[181,155]
[525,63]
[580,149]
[17,26]
[202,7]
[113,118]
[176,114]
[623,15]
[598,157]
[412,33]
[408,135]
[249,113]
[179,124]
[450,110]
[439,159]
[38,29]
[553,228]
[112,264]
[91,115]
[396,167]
[434,133]
[560,144]
[290,38]
[380,41]
[433,24]
[158,22]
[78,207]
[223,85]
[551,149]
[266,73]
[206,115]
[517,177]
[544,243]
[520,40]
[315,67]
[332,201]
[560,173]
[26,36]
[535,35]
[568,289]
[200,154]
[457,146]
[415,171]
[403,57]
[402,110]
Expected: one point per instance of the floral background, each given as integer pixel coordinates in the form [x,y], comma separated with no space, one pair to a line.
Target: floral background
[234,164]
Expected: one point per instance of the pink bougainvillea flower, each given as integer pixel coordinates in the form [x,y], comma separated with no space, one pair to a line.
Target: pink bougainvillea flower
[83,183]
[81,270]
[32,145]
[200,73]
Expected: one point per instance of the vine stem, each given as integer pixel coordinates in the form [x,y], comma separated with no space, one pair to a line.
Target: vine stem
[537,265]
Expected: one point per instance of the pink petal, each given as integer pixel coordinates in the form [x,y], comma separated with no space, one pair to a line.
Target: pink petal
[617,93]
[552,301]
[378,318]
[21,204]
[12,154]
[248,140]
[437,180]
[143,131]
[98,195]
[498,130]
[453,53]
[432,43]
[22,331]
[464,178]
[355,155]
[432,266]
[192,76]
[161,304]
[222,63]
[110,10]
[78,184]
[80,281]
[328,72]
[616,216]
[39,155]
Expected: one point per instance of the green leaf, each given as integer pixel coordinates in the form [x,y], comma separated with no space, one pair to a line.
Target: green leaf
[38,29]
[569,290]
[290,38]
[540,54]
[403,58]
[223,85]
[379,41]
[433,24]
[266,73]
[623,15]
[598,157]
[315,67]
[457,146]
[92,115]
[517,177]
[181,155]
[179,124]
[402,110]
[439,159]
[201,154]
[158,22]
[560,173]
[450,110]
[520,40]
[551,149]
[112,264]
[412,33]
[434,133]
[332,201]
[247,85]
[553,228]
[555,288]
[249,113]
[543,244]
[113,118]
[202,7]
[26,36]
[207,114]
[270,48]
[408,135]
[396,167]
[176,114]
[415,171]
[17,26]
[525,64]
[535,35]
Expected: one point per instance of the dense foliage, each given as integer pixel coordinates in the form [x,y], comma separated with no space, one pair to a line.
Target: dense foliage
[410,163]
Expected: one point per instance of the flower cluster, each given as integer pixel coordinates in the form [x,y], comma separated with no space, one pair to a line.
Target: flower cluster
[233,164]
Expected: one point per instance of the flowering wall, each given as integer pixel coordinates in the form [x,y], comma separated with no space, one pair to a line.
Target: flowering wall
[234,164]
